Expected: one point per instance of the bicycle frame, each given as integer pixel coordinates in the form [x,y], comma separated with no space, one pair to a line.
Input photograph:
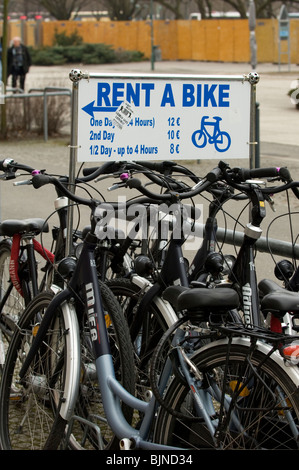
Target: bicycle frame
[243,273]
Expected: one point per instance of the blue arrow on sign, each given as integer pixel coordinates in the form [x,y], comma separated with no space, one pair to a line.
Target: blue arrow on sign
[91,108]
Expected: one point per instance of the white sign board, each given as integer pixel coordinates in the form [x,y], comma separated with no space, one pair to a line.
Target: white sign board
[163,117]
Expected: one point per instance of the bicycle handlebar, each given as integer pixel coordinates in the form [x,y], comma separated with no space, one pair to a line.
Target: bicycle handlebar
[116,166]
[133,183]
[9,167]
[164,168]
[241,175]
[236,177]
[222,171]
[272,172]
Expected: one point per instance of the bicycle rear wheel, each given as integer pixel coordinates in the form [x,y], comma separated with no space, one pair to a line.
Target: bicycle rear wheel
[29,417]
[264,414]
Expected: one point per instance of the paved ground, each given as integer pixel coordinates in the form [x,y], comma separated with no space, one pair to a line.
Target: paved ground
[279,136]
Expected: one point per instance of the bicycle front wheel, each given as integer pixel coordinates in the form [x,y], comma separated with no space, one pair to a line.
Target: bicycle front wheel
[90,429]
[146,329]
[263,414]
[29,409]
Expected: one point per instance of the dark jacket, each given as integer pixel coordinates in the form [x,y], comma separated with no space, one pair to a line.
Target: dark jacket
[26,59]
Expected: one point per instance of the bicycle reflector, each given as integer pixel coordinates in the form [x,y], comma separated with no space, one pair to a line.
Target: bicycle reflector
[290,352]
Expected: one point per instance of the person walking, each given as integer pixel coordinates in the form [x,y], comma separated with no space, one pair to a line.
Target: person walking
[18,62]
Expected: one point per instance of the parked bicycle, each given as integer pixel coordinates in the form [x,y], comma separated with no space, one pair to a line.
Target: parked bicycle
[236,411]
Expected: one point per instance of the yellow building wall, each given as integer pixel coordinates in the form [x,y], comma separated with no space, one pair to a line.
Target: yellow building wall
[221,40]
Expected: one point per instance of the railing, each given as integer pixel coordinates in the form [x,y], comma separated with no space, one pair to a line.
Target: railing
[39,92]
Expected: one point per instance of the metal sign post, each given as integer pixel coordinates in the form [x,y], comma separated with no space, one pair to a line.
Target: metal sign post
[75,76]
[252,26]
[284,36]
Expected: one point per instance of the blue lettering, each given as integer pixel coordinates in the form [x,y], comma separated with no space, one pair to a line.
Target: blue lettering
[103,92]
[198,103]
[167,96]
[188,95]
[209,95]
[133,95]
[205,95]
[113,96]
[223,96]
[117,94]
[147,87]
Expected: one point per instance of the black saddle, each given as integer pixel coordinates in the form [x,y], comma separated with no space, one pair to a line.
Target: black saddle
[202,299]
[11,227]
[277,299]
[267,285]
[280,302]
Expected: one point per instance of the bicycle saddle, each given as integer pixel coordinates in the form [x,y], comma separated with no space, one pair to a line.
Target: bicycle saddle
[266,286]
[202,299]
[281,301]
[172,293]
[12,226]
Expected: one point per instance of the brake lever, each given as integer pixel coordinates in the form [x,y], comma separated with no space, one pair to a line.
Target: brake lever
[271,203]
[116,186]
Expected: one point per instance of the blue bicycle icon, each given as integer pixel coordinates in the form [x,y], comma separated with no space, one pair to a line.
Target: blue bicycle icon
[220,139]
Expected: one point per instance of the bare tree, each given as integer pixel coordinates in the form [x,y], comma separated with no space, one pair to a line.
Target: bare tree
[264,8]
[62,9]
[175,6]
[120,10]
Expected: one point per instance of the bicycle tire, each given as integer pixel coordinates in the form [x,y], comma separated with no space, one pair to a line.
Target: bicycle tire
[28,413]
[89,399]
[146,338]
[124,364]
[263,429]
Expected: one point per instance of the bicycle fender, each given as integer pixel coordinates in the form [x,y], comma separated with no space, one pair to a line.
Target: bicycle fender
[291,370]
[71,390]
[162,305]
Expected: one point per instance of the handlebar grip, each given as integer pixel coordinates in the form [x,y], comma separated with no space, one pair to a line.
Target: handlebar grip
[40,180]
[89,171]
[272,172]
[214,175]
[285,174]
[133,183]
[158,166]
[105,169]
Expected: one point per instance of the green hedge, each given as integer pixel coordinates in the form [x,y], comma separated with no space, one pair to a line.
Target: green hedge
[83,53]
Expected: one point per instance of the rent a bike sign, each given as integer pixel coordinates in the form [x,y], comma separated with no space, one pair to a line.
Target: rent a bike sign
[158,117]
